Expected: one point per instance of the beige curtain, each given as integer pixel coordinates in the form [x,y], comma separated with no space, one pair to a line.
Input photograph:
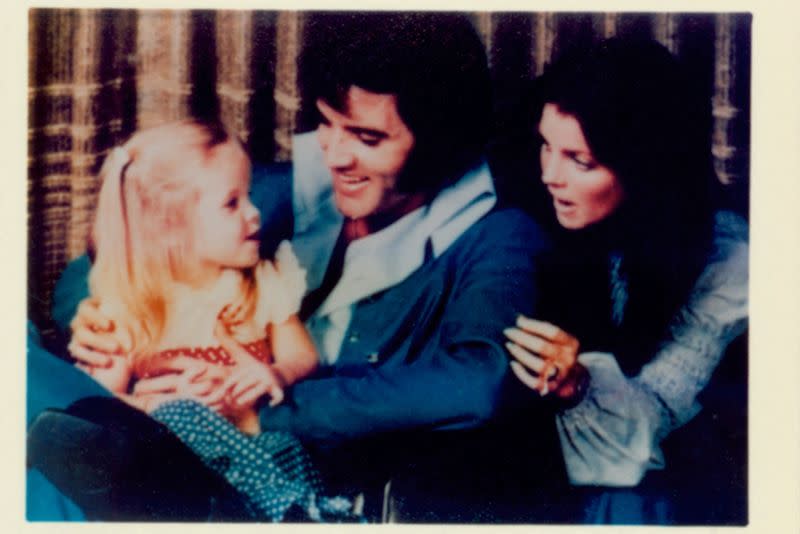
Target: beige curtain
[97,75]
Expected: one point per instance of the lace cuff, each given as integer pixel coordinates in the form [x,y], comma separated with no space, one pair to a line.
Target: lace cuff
[609,437]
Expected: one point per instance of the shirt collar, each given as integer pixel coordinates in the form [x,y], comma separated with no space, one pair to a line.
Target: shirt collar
[448,215]
[385,258]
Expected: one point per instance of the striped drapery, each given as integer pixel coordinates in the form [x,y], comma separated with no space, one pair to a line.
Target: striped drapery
[97,75]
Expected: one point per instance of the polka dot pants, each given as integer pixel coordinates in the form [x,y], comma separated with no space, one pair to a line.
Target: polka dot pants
[271,470]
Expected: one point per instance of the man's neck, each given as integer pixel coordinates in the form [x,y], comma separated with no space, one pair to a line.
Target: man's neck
[358,228]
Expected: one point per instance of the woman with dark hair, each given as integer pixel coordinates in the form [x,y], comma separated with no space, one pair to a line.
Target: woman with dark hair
[651,282]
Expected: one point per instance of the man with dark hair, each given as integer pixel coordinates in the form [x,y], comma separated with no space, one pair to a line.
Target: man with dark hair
[413,269]
[435,66]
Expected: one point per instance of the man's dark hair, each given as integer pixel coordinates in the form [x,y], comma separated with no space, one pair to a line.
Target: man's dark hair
[434,63]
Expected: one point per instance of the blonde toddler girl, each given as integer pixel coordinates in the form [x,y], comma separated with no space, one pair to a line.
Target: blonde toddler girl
[177,269]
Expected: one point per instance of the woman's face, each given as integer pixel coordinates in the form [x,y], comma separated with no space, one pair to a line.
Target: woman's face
[584,191]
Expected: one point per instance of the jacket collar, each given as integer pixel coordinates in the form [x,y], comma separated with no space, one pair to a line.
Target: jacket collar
[385,258]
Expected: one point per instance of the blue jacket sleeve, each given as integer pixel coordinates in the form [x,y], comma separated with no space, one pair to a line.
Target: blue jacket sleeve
[71,288]
[456,379]
[52,382]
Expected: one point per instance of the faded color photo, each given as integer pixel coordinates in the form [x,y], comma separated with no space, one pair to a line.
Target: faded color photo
[388,267]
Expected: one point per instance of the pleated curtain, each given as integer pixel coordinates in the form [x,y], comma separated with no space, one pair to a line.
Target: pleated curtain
[97,75]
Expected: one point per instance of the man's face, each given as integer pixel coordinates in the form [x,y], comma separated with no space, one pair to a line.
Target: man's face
[366,146]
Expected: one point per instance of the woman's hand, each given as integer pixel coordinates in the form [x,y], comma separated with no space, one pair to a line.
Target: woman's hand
[95,337]
[250,378]
[546,358]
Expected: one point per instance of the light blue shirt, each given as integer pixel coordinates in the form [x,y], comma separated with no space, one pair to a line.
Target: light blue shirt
[379,260]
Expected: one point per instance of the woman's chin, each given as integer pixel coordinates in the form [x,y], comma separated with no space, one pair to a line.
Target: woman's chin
[569,222]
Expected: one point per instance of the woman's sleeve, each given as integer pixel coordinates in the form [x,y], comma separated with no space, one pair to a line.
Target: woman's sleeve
[612,437]
[283,283]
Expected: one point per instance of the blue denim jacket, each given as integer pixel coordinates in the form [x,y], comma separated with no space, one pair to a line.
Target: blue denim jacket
[411,336]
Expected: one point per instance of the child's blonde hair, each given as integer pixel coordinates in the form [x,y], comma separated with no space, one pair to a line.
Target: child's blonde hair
[142,227]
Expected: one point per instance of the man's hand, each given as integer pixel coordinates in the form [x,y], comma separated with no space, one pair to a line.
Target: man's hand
[115,377]
[181,378]
[95,337]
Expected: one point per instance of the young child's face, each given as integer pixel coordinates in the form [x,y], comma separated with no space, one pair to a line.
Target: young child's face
[226,223]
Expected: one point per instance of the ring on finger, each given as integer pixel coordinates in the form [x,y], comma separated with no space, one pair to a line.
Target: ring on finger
[545,388]
[550,372]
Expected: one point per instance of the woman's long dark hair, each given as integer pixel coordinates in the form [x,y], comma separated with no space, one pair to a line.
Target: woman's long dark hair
[642,119]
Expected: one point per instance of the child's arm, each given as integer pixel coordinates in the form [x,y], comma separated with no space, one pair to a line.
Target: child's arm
[294,353]
[284,283]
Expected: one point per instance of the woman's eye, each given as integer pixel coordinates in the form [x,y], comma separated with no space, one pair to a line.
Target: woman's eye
[233,203]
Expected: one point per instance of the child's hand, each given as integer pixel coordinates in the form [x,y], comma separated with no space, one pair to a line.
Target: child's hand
[250,378]
[249,381]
